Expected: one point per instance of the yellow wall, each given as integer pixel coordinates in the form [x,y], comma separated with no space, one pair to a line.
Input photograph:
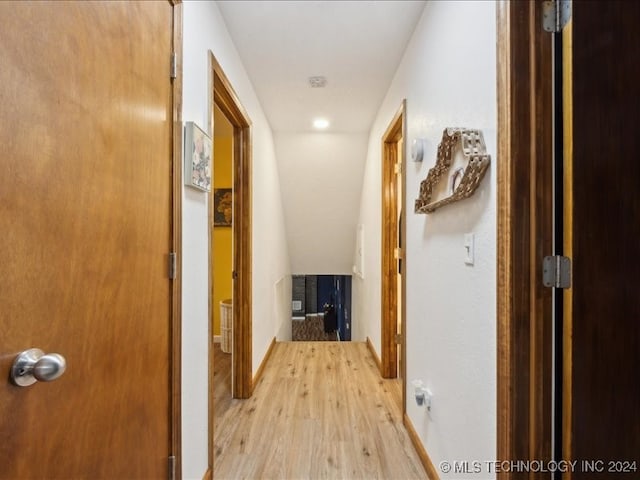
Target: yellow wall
[222,239]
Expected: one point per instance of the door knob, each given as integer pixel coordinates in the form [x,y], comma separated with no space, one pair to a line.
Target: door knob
[33,365]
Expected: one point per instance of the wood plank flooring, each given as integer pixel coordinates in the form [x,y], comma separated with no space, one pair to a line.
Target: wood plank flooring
[221,384]
[320,411]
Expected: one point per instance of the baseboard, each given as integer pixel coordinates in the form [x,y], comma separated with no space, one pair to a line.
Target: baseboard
[208,475]
[263,364]
[374,354]
[432,473]
[217,339]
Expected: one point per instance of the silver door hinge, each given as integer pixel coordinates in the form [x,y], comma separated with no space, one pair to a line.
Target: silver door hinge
[555,15]
[174,65]
[556,272]
[173,261]
[172,467]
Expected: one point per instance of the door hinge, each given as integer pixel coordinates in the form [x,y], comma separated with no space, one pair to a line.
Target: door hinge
[174,66]
[172,467]
[398,338]
[173,261]
[556,272]
[555,15]
[397,168]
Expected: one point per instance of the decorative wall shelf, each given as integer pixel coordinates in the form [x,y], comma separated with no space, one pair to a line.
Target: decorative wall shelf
[463,181]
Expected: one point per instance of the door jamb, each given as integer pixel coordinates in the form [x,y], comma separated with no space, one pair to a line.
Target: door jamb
[389,294]
[525,228]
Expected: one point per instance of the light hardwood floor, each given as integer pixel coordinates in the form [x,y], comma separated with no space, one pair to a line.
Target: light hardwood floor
[221,383]
[320,410]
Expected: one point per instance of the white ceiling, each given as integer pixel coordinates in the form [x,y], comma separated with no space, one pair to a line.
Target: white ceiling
[356,45]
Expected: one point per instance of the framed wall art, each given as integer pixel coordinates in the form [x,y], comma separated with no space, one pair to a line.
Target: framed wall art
[222,207]
[197,158]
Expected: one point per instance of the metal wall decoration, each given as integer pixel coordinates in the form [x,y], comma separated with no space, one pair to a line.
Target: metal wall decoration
[464,181]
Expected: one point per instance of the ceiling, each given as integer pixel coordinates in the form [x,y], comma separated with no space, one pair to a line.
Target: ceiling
[356,45]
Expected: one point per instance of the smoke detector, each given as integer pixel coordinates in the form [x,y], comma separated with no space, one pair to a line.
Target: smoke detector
[318,81]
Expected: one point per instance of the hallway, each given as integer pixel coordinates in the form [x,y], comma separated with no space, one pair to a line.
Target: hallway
[320,410]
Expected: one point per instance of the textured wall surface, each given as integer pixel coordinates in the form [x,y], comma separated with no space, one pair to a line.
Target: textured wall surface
[321,178]
[204,30]
[448,77]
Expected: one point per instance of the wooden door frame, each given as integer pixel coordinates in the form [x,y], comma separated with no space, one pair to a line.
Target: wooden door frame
[389,231]
[225,98]
[176,246]
[525,188]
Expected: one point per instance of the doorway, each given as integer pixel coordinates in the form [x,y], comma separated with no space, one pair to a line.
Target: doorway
[393,250]
[225,104]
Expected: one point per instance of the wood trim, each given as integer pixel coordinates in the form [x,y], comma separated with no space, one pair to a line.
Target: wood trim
[525,231]
[432,473]
[176,242]
[208,475]
[389,241]
[567,317]
[505,366]
[263,364]
[372,350]
[403,247]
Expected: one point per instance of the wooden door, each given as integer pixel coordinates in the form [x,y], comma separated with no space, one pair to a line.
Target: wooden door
[85,211]
[602,329]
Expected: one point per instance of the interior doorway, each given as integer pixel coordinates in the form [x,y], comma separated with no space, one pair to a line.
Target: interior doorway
[225,105]
[393,250]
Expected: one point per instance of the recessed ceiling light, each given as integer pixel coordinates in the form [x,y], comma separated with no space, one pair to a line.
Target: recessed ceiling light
[321,123]
[318,81]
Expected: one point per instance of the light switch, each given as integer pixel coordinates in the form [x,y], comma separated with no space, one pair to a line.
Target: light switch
[469,248]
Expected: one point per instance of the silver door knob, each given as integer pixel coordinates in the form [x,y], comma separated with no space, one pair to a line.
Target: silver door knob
[33,365]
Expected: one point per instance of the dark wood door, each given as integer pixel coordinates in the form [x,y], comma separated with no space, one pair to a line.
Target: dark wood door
[85,216]
[602,354]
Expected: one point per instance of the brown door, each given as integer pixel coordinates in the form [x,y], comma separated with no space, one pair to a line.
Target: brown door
[85,198]
[602,331]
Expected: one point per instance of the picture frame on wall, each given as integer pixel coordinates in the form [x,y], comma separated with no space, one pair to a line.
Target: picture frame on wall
[197,158]
[222,207]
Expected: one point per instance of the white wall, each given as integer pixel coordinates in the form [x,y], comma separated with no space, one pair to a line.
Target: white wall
[321,209]
[448,77]
[204,30]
